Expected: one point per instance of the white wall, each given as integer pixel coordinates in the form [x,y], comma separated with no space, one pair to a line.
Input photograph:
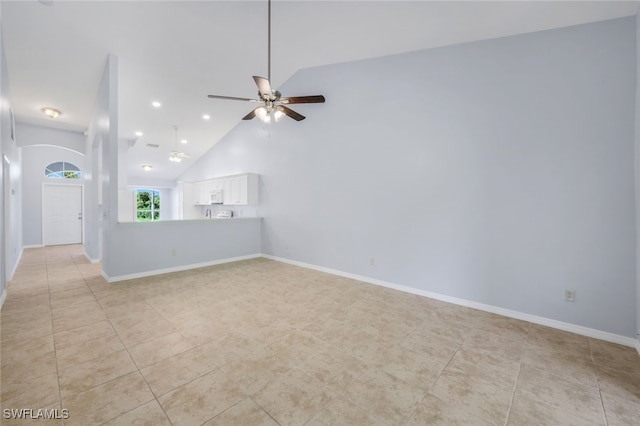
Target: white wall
[11,192]
[101,180]
[31,134]
[637,170]
[499,172]
[34,160]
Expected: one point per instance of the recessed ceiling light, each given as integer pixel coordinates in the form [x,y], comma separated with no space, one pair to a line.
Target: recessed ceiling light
[156,104]
[51,112]
[184,141]
[138,134]
[206,116]
[147,167]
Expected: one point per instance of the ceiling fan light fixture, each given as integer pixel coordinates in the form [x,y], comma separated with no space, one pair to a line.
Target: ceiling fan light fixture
[278,114]
[175,157]
[263,114]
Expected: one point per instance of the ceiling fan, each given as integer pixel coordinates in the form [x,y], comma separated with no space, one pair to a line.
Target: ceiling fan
[177,156]
[273,104]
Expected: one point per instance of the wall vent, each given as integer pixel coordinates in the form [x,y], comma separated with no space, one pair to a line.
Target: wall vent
[153,145]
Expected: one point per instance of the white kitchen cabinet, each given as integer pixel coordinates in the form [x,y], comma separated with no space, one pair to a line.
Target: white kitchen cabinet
[240,190]
[202,193]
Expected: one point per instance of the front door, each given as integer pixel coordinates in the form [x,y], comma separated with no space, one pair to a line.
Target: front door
[61,215]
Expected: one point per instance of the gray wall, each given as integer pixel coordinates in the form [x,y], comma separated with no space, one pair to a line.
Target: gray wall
[500,172]
[34,159]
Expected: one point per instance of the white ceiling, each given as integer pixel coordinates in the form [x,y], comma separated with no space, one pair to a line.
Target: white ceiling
[177,52]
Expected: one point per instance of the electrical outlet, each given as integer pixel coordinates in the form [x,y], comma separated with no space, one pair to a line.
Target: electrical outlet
[569,295]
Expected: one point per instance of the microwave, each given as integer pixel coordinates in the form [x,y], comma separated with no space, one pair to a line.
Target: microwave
[216,196]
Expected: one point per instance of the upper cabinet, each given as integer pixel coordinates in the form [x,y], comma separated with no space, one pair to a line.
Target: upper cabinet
[237,190]
[240,190]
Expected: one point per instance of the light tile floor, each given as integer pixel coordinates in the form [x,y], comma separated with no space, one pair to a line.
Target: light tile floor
[264,343]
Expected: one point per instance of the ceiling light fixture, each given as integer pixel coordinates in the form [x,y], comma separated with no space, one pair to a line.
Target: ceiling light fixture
[176,156]
[184,141]
[138,134]
[156,104]
[206,116]
[51,112]
[147,167]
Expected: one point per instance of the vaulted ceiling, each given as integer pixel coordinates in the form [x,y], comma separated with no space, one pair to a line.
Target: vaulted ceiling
[177,52]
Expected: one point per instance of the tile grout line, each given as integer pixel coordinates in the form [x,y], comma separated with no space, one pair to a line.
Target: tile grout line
[604,411]
[515,385]
[53,335]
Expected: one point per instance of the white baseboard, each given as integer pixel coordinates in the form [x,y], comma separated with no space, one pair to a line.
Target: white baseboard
[638,345]
[15,266]
[94,261]
[3,296]
[177,268]
[573,328]
[30,246]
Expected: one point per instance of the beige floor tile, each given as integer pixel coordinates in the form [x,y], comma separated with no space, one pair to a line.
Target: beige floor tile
[100,329]
[141,331]
[575,399]
[619,383]
[149,414]
[563,363]
[292,398]
[435,411]
[253,372]
[484,366]
[232,346]
[525,411]
[25,350]
[159,348]
[611,355]
[82,377]
[484,399]
[30,367]
[108,400]
[413,368]
[70,356]
[620,411]
[201,399]
[338,411]
[177,370]
[558,340]
[245,412]
[387,398]
[30,392]
[263,342]
[333,367]
[507,347]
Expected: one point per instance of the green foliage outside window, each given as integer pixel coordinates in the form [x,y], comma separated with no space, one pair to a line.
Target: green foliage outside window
[147,205]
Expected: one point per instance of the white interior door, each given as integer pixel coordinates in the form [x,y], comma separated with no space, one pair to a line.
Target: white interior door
[61,215]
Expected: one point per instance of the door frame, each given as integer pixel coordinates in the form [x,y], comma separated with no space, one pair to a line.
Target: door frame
[45,184]
[6,224]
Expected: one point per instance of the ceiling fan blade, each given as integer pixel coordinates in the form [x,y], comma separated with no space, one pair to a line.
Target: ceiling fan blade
[314,99]
[291,113]
[250,115]
[264,87]
[232,98]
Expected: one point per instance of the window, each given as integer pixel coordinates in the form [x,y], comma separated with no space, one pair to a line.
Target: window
[62,170]
[147,205]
